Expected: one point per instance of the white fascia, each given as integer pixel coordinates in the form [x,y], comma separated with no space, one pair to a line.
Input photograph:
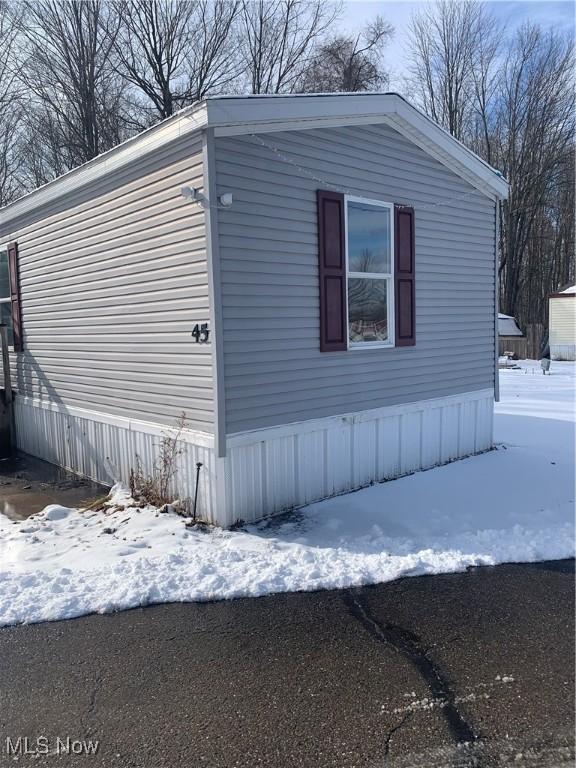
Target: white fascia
[187,121]
[236,116]
[239,115]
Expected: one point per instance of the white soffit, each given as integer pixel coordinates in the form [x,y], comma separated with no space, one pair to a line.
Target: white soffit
[238,115]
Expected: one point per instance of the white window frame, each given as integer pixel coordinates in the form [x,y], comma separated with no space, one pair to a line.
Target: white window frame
[351,345]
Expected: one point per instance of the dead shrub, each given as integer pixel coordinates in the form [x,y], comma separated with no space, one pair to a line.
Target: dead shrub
[158,488]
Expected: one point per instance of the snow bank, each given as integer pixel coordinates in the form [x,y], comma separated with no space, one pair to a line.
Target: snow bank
[513,504]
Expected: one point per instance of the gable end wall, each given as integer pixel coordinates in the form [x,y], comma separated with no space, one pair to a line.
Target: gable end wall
[274,371]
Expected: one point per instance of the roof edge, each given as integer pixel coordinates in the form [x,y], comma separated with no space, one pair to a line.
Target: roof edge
[250,114]
[185,121]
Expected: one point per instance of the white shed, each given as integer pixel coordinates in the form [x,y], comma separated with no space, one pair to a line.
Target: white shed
[563,324]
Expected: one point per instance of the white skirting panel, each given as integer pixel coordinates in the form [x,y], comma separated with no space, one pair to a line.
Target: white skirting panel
[104,447]
[563,351]
[271,470]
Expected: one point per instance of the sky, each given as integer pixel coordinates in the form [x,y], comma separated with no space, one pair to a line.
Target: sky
[510,13]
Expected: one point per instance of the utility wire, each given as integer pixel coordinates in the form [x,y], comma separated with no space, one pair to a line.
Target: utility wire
[326,183]
[344,190]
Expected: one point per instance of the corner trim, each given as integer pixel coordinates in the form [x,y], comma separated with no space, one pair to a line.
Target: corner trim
[214,289]
[496,300]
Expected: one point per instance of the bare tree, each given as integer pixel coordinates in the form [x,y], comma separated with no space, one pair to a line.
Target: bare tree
[444,39]
[74,92]
[213,57]
[11,109]
[563,262]
[550,264]
[512,101]
[486,50]
[535,133]
[176,51]
[278,38]
[350,63]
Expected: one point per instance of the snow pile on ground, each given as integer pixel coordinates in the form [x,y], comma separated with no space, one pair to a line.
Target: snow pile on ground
[511,504]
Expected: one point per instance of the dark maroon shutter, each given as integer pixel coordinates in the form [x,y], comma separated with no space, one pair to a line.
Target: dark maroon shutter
[404,277]
[15,295]
[332,263]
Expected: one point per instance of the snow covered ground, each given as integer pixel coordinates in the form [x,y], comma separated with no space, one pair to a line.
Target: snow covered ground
[509,505]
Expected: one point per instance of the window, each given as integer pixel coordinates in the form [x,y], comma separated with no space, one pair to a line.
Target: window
[369,277]
[5,296]
[366,273]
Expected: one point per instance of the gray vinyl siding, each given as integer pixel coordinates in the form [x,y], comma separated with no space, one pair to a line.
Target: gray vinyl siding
[274,371]
[112,280]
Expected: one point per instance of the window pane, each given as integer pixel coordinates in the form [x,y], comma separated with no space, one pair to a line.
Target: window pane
[368,238]
[6,318]
[367,309]
[4,278]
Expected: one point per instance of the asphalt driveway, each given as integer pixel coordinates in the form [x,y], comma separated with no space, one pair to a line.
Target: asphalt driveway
[473,669]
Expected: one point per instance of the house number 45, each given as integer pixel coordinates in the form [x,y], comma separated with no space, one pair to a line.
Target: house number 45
[200,333]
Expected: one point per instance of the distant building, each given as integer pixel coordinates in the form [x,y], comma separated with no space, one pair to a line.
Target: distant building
[563,324]
[511,340]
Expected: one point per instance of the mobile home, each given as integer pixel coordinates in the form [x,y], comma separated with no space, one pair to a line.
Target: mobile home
[562,324]
[310,279]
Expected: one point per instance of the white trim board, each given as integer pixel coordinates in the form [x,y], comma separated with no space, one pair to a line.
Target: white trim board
[496,300]
[214,292]
[254,114]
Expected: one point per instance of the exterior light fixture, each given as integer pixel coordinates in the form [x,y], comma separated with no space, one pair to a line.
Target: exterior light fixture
[191,193]
[226,199]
